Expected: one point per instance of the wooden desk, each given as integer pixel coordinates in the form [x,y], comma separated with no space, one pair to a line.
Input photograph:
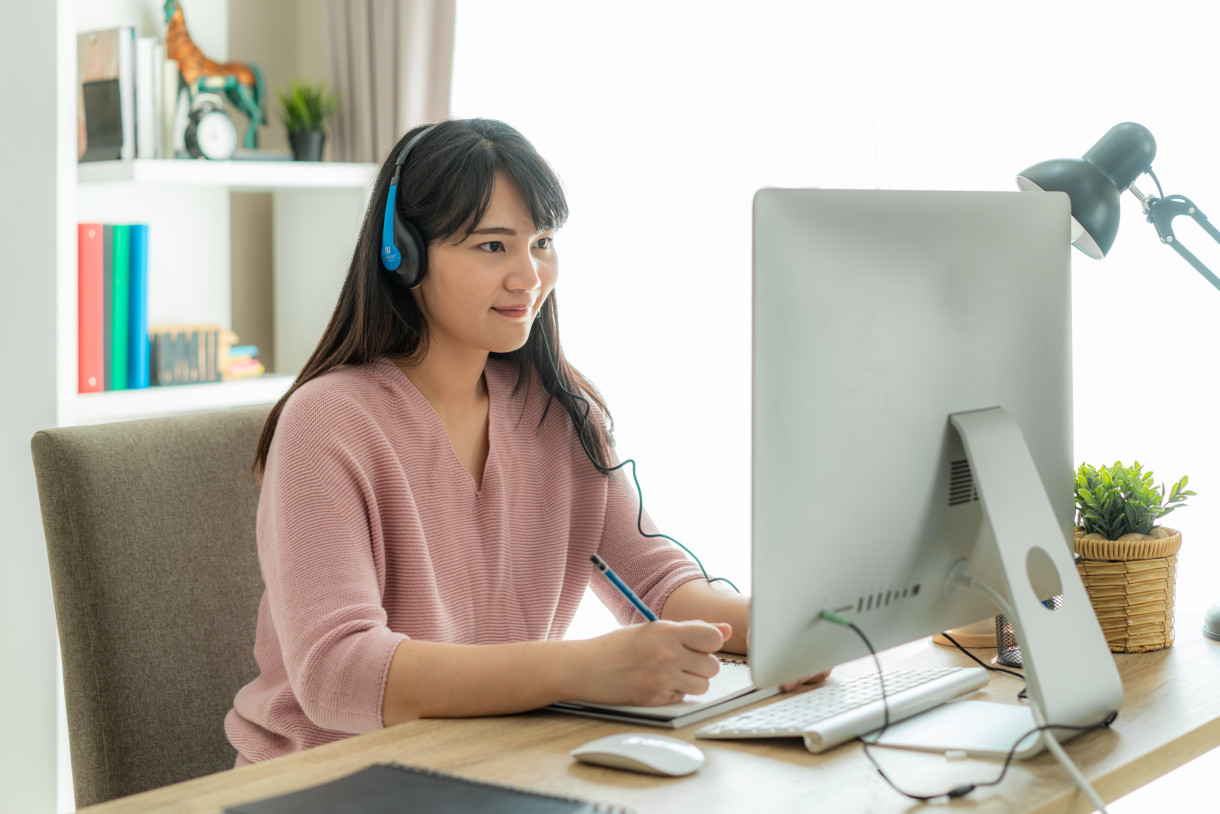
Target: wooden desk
[1170,715]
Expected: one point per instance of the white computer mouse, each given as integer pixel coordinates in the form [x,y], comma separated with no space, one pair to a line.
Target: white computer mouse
[642,752]
[1211,622]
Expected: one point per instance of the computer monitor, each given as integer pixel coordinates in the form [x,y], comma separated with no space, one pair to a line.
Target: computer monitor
[912,429]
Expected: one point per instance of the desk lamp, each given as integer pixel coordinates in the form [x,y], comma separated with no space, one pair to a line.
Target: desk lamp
[1094,184]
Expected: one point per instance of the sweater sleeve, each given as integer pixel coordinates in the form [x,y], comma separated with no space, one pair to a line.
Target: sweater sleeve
[321,563]
[652,566]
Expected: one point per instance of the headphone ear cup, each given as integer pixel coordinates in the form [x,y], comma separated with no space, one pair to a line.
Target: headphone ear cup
[414,254]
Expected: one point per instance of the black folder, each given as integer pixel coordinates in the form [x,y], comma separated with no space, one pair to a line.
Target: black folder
[386,788]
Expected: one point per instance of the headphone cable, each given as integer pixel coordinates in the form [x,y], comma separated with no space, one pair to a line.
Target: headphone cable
[606,470]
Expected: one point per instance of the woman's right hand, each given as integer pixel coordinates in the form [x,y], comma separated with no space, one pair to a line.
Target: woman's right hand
[649,664]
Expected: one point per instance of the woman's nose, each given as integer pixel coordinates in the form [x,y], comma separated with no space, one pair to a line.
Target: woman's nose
[525,274]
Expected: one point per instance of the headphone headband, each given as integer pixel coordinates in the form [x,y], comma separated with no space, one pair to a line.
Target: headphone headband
[395,230]
[402,155]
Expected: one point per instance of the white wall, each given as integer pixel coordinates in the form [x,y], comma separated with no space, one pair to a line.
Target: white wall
[664,118]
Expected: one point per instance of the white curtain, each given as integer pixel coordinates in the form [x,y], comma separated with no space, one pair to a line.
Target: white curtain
[391,62]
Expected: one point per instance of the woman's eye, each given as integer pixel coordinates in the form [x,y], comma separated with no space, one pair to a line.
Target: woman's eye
[544,242]
[492,246]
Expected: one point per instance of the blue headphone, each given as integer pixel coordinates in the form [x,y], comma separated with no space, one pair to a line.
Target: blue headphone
[403,250]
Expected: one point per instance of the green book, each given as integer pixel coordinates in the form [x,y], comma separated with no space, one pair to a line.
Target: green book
[120,285]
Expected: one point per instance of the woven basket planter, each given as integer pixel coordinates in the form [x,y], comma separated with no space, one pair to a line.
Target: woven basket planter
[1131,585]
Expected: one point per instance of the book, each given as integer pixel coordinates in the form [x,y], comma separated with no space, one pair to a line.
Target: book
[120,304]
[146,97]
[107,300]
[729,689]
[158,83]
[391,787]
[168,89]
[246,369]
[89,348]
[180,121]
[105,100]
[137,308]
[127,90]
[187,354]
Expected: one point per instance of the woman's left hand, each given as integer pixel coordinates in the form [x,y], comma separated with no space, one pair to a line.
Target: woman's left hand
[792,685]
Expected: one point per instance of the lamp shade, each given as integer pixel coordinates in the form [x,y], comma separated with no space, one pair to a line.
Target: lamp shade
[1095,182]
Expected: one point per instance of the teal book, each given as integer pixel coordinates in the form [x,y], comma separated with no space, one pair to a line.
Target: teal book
[120,305]
[137,314]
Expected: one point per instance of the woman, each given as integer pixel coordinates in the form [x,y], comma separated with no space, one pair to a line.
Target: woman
[428,508]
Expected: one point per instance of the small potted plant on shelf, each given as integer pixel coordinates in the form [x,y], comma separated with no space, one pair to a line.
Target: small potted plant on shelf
[305,110]
[1128,562]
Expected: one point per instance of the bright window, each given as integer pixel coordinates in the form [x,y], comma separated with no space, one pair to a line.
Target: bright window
[663,118]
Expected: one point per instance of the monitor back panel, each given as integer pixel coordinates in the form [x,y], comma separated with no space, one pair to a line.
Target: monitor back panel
[876,315]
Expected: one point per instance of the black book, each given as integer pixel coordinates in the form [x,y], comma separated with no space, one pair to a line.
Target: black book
[386,788]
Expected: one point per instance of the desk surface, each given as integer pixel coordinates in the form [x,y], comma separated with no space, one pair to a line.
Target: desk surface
[1170,715]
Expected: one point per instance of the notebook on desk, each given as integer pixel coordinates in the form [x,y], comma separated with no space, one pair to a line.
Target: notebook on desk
[387,788]
[729,689]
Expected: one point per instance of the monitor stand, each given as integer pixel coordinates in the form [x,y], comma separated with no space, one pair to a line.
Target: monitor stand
[1069,670]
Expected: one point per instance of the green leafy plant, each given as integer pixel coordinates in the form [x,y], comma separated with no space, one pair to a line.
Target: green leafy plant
[1117,500]
[306,106]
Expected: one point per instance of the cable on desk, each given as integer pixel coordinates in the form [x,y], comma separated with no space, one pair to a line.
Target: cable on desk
[962,791]
[1021,696]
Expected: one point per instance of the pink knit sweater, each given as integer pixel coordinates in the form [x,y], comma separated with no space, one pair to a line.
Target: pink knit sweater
[370,531]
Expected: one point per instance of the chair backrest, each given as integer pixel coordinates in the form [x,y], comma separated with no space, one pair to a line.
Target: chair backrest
[150,531]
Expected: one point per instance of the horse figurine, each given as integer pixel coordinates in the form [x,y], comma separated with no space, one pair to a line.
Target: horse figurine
[241,82]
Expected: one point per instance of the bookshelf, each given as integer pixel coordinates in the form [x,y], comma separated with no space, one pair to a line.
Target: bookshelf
[206,251]
[193,257]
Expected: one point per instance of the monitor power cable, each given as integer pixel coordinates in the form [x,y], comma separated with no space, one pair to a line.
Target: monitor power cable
[606,470]
[963,790]
[1052,743]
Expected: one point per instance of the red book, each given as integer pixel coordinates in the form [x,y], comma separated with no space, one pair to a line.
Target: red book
[89,348]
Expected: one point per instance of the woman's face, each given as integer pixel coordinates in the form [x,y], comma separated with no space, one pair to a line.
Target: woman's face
[483,292]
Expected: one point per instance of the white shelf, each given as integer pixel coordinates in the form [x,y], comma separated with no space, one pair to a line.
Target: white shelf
[121,405]
[246,175]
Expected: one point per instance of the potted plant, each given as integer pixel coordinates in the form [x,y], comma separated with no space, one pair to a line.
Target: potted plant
[305,110]
[1128,562]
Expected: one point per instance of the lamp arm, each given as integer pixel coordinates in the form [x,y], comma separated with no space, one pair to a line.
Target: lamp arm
[1162,211]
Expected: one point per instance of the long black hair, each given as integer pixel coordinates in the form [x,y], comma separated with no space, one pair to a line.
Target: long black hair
[445,189]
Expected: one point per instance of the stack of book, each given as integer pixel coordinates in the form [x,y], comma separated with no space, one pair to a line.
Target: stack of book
[129,96]
[117,349]
[112,316]
[242,363]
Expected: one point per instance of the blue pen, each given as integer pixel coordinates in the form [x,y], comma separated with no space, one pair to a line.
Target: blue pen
[600,564]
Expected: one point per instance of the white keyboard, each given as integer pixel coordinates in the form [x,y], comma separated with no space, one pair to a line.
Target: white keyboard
[835,713]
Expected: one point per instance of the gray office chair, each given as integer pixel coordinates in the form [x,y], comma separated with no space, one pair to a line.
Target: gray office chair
[150,538]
